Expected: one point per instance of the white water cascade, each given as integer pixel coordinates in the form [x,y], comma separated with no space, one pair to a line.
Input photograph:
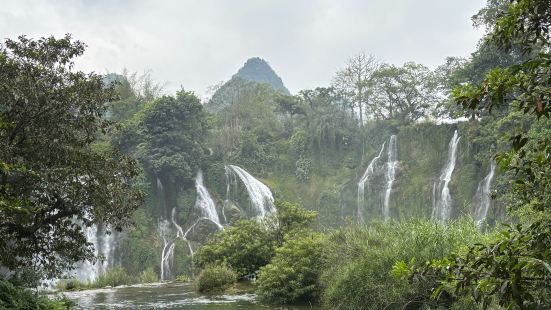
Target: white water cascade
[442,200]
[104,245]
[390,174]
[260,195]
[204,201]
[482,199]
[167,254]
[206,206]
[361,184]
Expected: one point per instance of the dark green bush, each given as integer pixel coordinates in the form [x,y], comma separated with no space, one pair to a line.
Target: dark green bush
[244,247]
[12,297]
[215,278]
[293,274]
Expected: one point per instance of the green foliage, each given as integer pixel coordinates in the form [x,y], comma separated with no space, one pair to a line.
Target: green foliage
[50,176]
[148,276]
[244,247]
[248,245]
[361,262]
[290,219]
[293,274]
[512,270]
[12,297]
[113,277]
[138,248]
[135,91]
[215,278]
[303,169]
[404,93]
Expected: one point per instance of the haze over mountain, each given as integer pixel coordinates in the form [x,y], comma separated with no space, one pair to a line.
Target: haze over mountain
[255,71]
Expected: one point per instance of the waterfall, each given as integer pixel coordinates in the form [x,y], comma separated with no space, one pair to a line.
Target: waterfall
[167,254]
[482,199]
[390,174]
[260,195]
[104,245]
[206,206]
[442,200]
[361,184]
[204,201]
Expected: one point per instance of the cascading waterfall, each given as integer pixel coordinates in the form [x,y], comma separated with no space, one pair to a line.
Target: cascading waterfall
[104,245]
[482,199]
[204,201]
[442,200]
[260,195]
[167,254]
[206,206]
[231,179]
[361,184]
[390,174]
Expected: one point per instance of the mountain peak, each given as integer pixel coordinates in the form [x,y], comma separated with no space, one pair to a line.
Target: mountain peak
[258,70]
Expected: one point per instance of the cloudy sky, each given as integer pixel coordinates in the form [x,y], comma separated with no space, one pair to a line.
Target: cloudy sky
[197,43]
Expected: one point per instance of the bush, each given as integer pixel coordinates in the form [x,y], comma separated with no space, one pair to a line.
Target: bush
[360,261]
[12,297]
[113,277]
[294,272]
[215,278]
[149,276]
[244,247]
[69,285]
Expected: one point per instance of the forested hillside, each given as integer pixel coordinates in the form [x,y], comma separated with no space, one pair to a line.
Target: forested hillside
[387,189]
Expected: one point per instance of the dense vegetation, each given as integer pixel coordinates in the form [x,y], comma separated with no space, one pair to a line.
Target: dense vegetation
[80,150]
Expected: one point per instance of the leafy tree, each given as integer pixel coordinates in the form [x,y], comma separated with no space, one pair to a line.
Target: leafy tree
[514,270]
[134,92]
[354,81]
[293,274]
[248,245]
[403,93]
[53,180]
[244,247]
[326,123]
[168,138]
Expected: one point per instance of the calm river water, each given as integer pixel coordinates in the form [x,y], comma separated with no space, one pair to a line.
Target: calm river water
[168,296]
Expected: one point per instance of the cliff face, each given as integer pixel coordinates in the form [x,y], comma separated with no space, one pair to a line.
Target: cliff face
[255,71]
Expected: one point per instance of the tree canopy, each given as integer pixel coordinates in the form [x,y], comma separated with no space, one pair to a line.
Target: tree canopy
[54,180]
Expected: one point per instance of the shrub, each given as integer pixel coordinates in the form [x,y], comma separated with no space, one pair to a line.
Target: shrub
[12,297]
[294,272]
[215,278]
[244,247]
[113,277]
[360,261]
[149,276]
[69,285]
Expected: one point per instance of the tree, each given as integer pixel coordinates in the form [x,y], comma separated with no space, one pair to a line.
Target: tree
[403,93]
[513,270]
[134,91]
[53,178]
[354,81]
[326,122]
[168,138]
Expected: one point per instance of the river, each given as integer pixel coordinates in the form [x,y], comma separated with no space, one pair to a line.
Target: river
[169,296]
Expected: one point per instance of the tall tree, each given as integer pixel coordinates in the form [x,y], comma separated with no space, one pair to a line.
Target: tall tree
[53,181]
[403,93]
[355,80]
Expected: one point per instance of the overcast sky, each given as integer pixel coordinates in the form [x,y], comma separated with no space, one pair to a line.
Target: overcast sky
[198,43]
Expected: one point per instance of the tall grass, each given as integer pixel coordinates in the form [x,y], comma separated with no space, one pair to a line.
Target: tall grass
[360,261]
